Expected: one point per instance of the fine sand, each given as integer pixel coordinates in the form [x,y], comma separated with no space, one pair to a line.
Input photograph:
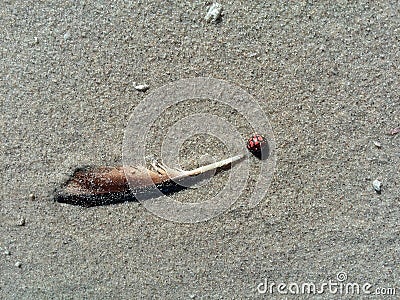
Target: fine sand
[327,77]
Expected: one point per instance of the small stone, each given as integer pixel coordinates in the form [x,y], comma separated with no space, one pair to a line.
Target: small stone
[21,222]
[66,36]
[254,54]
[35,41]
[142,87]
[7,252]
[394,131]
[377,186]
[214,13]
[18,264]
[377,144]
[32,197]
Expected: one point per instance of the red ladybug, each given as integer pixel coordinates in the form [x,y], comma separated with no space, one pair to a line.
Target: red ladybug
[256,143]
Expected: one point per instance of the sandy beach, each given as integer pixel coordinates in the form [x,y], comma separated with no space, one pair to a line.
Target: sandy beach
[325,74]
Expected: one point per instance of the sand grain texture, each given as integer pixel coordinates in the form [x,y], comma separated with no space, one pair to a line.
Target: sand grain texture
[326,75]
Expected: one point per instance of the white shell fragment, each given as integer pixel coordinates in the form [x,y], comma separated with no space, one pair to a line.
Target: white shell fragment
[377,144]
[377,185]
[214,13]
[21,222]
[141,87]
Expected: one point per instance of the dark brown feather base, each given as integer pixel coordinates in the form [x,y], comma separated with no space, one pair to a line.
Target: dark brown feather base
[90,199]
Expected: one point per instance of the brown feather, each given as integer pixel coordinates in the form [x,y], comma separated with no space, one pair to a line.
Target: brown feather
[102,185]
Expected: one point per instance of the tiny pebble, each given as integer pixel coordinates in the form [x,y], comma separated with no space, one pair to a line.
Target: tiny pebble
[142,87]
[214,13]
[18,264]
[66,36]
[7,252]
[254,54]
[32,197]
[394,131]
[377,144]
[377,185]
[21,222]
[35,41]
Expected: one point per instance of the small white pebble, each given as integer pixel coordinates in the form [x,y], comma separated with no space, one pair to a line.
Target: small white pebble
[66,36]
[35,41]
[142,87]
[254,54]
[214,13]
[18,264]
[377,144]
[7,252]
[21,222]
[377,185]
[32,197]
